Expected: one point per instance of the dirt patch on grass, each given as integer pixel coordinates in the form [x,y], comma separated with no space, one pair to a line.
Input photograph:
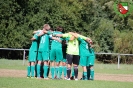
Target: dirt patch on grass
[12,73]
[98,76]
[114,77]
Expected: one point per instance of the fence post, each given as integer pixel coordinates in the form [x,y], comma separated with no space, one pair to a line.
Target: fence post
[118,61]
[24,57]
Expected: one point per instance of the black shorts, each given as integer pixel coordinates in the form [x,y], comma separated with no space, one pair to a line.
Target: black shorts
[72,59]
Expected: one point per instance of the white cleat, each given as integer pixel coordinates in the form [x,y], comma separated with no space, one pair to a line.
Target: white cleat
[68,79]
[76,79]
[65,78]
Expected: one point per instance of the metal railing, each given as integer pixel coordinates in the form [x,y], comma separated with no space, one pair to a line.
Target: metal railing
[17,50]
[117,54]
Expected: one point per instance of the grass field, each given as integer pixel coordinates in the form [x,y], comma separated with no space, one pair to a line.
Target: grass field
[18,82]
[12,64]
[112,68]
[99,68]
[35,83]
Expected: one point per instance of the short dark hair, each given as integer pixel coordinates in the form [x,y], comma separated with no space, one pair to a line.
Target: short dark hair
[59,28]
[51,29]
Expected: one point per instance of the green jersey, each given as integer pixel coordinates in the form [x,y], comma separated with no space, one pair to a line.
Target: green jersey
[44,43]
[35,43]
[83,47]
[56,44]
[72,45]
[91,50]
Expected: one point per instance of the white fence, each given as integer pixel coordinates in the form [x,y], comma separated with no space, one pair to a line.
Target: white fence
[117,54]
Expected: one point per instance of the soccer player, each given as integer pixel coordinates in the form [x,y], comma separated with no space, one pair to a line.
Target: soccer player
[72,54]
[50,32]
[84,53]
[39,32]
[90,68]
[72,74]
[43,52]
[63,62]
[32,55]
[56,54]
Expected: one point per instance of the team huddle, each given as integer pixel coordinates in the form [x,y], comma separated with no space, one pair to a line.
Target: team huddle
[60,54]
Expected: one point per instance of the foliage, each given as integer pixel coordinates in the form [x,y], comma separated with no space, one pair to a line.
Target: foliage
[104,35]
[93,18]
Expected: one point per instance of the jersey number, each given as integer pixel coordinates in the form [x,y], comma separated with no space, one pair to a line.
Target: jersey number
[43,39]
[86,46]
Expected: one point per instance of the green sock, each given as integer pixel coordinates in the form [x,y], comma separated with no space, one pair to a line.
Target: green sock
[32,71]
[38,70]
[60,71]
[85,76]
[73,72]
[52,72]
[91,74]
[45,68]
[65,70]
[48,70]
[28,71]
[56,71]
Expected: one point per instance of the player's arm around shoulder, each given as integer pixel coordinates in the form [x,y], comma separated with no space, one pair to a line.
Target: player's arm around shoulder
[91,44]
[62,35]
[35,37]
[44,32]
[66,35]
[59,35]
[74,35]
[48,32]
[57,39]
[85,38]
[79,37]
[32,39]
[40,33]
